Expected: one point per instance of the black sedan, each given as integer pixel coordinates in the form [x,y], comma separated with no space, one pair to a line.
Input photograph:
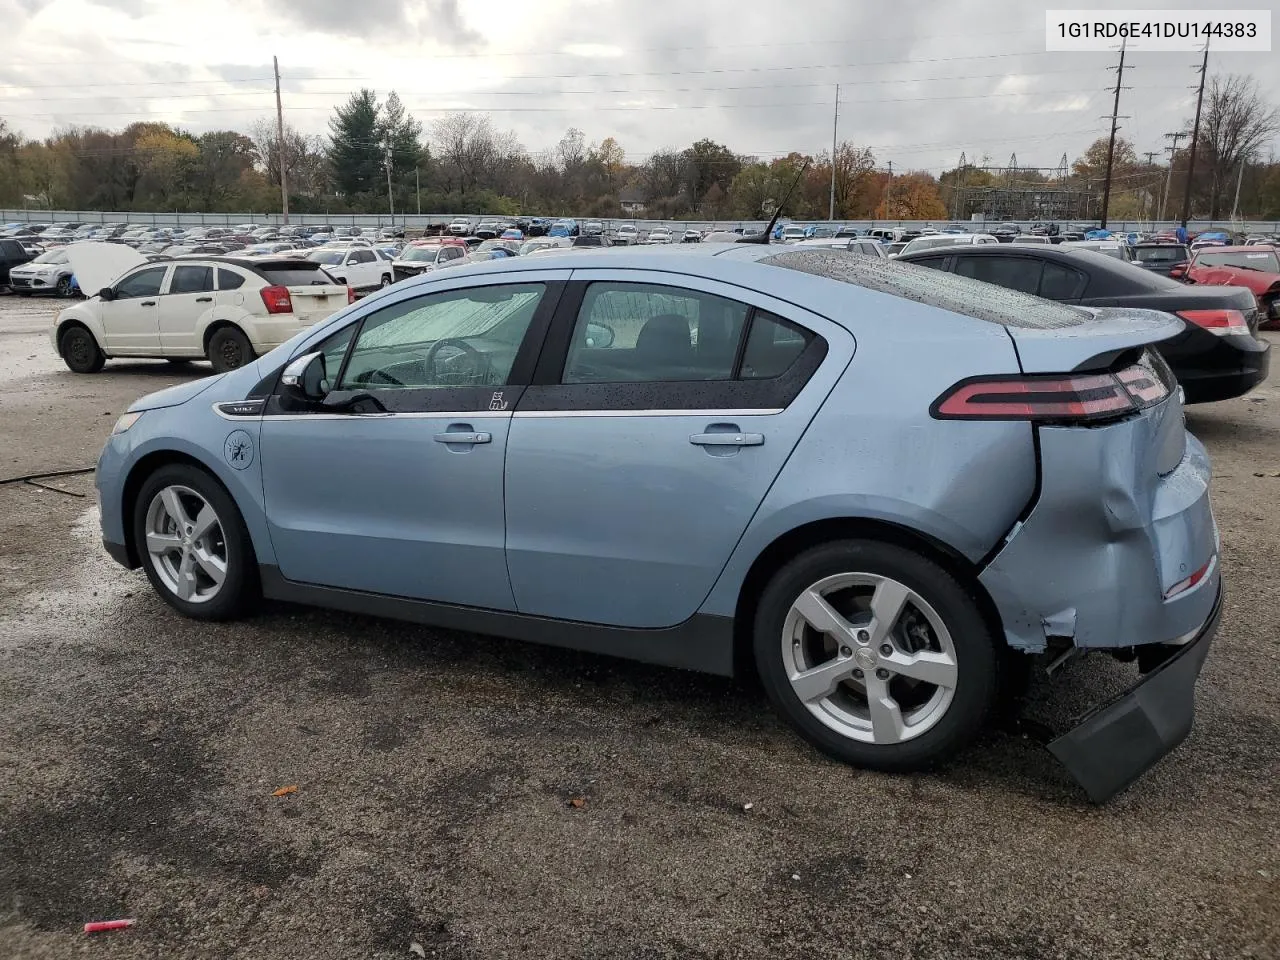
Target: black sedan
[1216,356]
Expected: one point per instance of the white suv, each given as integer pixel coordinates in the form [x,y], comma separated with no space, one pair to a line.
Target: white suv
[228,309]
[460,227]
[361,267]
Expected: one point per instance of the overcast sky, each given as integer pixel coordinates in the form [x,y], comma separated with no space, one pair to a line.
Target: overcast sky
[921,80]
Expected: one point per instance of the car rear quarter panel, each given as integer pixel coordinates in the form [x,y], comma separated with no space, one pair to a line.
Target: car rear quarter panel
[873,451]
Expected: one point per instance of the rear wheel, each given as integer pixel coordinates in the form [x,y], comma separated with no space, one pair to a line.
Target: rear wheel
[80,351]
[229,349]
[63,288]
[194,544]
[386,280]
[876,655]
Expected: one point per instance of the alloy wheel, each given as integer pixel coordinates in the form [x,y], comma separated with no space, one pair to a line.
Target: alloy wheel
[869,658]
[186,543]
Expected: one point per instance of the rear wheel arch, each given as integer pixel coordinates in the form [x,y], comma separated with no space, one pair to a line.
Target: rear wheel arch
[214,326]
[800,539]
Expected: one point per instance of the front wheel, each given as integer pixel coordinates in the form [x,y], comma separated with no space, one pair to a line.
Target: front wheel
[386,280]
[194,544]
[229,349]
[63,289]
[876,655]
[80,351]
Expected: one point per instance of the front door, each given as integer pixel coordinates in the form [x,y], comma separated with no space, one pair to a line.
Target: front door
[131,319]
[394,484]
[187,298]
[663,409]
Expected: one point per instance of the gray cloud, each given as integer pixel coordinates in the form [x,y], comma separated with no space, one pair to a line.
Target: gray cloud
[438,22]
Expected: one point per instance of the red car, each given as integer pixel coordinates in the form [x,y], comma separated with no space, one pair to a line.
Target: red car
[1256,266]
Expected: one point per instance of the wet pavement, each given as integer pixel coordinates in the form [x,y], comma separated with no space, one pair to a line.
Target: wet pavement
[434,771]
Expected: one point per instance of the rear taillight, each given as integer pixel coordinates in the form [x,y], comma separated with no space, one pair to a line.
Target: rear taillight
[277,299]
[351,294]
[1073,398]
[1182,586]
[1221,323]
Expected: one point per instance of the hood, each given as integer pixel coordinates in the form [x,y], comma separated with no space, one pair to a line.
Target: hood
[97,265]
[1257,282]
[173,396]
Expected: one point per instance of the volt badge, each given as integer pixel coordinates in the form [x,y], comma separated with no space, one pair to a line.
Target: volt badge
[238,449]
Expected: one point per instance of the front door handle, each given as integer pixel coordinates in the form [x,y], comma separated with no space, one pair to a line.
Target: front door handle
[461,437]
[204,299]
[727,439]
[147,303]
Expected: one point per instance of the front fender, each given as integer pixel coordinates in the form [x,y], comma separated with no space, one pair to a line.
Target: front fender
[168,431]
[86,316]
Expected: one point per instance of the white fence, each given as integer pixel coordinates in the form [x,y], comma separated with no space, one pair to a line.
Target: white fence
[438,219]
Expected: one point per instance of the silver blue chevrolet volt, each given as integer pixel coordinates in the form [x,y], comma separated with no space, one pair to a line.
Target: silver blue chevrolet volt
[876,486]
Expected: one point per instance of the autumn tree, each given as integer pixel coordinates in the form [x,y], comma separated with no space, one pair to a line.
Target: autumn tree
[612,162]
[911,196]
[709,163]
[1092,164]
[1236,122]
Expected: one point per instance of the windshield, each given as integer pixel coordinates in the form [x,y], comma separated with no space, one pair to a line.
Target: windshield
[1264,260]
[330,257]
[419,253]
[53,256]
[1167,254]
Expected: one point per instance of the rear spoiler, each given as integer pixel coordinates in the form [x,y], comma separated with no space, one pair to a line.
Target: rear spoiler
[1109,332]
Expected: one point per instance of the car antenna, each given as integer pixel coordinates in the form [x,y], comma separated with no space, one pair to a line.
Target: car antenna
[764,237]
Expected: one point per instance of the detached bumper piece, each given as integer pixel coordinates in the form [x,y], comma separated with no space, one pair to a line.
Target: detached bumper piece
[1117,742]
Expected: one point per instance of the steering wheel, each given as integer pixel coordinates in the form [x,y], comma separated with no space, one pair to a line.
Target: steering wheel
[381,376]
[429,361]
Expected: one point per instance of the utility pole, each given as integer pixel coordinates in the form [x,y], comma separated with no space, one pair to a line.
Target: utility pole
[1195,138]
[1173,154]
[284,186]
[888,190]
[1149,154]
[835,123]
[1235,207]
[1111,144]
[391,203]
[417,187]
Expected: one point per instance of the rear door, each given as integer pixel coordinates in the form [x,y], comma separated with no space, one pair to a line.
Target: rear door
[663,408]
[131,319]
[187,299]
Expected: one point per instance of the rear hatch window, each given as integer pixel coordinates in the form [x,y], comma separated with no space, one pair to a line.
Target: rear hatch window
[294,273]
[972,298]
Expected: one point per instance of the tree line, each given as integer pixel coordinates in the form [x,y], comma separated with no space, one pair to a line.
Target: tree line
[377,155]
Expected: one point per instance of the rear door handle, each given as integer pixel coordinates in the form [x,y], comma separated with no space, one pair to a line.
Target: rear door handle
[147,303]
[460,437]
[204,299]
[727,439]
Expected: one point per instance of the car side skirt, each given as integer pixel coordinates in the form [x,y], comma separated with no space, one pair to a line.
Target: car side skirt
[703,643]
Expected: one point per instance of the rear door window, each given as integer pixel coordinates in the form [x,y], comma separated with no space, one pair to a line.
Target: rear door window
[1012,273]
[191,279]
[1061,283]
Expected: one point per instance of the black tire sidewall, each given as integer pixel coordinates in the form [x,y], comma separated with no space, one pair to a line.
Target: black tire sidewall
[978,657]
[215,349]
[241,586]
[96,359]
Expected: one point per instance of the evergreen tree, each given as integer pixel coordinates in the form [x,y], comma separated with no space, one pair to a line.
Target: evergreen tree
[401,132]
[357,145]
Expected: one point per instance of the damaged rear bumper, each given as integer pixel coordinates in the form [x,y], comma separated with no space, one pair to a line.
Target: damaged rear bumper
[1116,743]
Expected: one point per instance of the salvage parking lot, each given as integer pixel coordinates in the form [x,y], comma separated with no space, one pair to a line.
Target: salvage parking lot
[436,772]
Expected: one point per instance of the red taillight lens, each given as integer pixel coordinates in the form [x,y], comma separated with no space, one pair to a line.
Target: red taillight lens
[351,294]
[1221,323]
[277,299]
[1078,398]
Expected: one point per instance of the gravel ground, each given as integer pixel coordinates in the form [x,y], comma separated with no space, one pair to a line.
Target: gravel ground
[139,752]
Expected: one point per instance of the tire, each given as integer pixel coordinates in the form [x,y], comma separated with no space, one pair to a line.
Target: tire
[80,351]
[386,280]
[226,543]
[63,288]
[229,349]
[938,622]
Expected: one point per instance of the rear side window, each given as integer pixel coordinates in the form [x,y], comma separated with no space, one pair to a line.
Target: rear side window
[229,280]
[773,345]
[1061,283]
[191,279]
[933,263]
[1012,273]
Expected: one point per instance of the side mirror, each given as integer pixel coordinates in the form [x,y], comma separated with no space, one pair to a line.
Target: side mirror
[106,293]
[599,335]
[305,379]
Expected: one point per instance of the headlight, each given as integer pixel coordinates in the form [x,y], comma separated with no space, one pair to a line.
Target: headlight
[125,422]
